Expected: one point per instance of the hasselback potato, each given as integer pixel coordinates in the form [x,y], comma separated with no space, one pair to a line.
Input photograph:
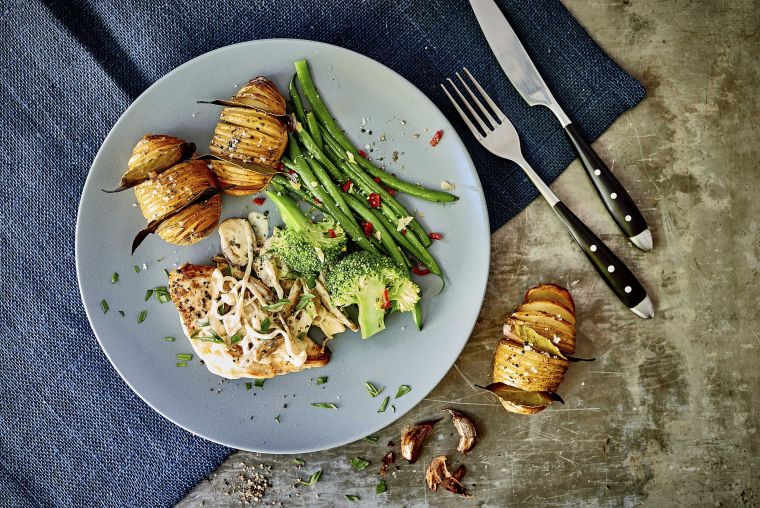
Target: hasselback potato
[255,135]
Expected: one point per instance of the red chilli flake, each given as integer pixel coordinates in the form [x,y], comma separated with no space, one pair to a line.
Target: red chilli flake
[291,172]
[435,236]
[436,138]
[368,228]
[374,200]
[317,202]
[420,270]
[331,232]
[279,166]
[376,179]
[386,300]
[390,191]
[403,231]
[363,153]
[259,201]
[347,186]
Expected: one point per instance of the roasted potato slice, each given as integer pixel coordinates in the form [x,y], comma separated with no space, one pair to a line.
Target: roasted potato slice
[243,181]
[543,319]
[559,311]
[551,293]
[527,368]
[564,341]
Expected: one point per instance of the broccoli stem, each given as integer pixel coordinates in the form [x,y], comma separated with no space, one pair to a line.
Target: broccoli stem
[371,312]
[291,215]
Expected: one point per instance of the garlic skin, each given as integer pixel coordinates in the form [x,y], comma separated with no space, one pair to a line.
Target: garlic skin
[468,433]
[413,437]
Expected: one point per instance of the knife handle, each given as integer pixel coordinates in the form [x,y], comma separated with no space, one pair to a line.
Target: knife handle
[615,198]
[614,272]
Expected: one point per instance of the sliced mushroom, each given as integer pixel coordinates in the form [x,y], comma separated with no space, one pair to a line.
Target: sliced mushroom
[413,437]
[237,240]
[468,434]
[260,224]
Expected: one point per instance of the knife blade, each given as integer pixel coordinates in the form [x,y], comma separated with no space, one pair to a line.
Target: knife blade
[529,83]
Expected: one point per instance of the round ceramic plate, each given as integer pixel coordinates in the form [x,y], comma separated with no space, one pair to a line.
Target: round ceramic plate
[279,417]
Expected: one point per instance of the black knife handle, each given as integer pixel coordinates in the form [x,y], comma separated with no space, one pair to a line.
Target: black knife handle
[614,272]
[614,196]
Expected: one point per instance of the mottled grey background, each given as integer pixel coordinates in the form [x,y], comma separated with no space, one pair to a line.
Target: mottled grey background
[667,415]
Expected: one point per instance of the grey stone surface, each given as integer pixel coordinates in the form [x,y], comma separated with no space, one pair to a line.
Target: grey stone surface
[667,415]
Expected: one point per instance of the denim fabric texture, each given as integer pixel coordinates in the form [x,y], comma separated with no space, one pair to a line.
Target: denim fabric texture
[73,434]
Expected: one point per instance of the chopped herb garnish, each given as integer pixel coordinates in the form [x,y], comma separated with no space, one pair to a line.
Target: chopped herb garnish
[321,380]
[223,309]
[248,386]
[298,462]
[121,313]
[301,336]
[169,339]
[372,389]
[166,272]
[304,301]
[265,325]
[104,305]
[162,294]
[311,281]
[371,438]
[314,478]
[148,294]
[277,418]
[181,364]
[403,390]
[325,405]
[276,306]
[114,278]
[141,317]
[258,382]
[160,259]
[235,339]
[184,356]
[384,405]
[352,497]
[136,268]
[381,487]
[359,463]
[393,408]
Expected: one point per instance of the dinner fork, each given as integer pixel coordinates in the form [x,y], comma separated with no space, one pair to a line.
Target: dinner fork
[498,136]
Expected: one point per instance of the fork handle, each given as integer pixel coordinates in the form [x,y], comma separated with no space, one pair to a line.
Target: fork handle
[614,272]
[613,194]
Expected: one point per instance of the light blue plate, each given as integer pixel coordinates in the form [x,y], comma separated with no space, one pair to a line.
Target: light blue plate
[354,88]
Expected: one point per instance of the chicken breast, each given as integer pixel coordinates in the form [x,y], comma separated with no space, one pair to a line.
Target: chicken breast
[190,288]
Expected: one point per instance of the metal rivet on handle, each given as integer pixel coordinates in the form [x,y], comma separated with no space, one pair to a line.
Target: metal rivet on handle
[610,268]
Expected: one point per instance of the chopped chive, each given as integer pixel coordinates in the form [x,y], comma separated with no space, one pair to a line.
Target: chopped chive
[258,382]
[160,259]
[381,487]
[114,278]
[148,294]
[248,386]
[276,306]
[265,325]
[304,301]
[181,364]
[324,405]
[235,339]
[359,463]
[298,462]
[141,317]
[372,389]
[403,390]
[352,497]
[277,418]
[384,405]
[393,408]
[104,305]
[314,478]
[166,272]
[371,438]
[121,313]
[169,339]
[162,294]
[184,356]
[136,268]
[321,380]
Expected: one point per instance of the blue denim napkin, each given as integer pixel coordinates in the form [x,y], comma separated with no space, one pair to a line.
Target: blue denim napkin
[71,432]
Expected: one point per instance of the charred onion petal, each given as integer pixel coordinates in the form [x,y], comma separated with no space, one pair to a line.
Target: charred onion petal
[459,473]
[412,438]
[153,225]
[468,434]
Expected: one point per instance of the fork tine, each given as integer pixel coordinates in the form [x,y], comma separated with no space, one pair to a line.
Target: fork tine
[485,112]
[491,103]
[473,129]
[486,127]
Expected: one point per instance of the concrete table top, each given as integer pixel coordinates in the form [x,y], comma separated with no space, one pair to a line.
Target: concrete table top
[667,414]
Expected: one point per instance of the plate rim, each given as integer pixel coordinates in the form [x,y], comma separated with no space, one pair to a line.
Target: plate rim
[447,126]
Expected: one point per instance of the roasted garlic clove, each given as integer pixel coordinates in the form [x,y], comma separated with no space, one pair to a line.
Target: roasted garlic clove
[152,155]
[413,437]
[437,474]
[468,434]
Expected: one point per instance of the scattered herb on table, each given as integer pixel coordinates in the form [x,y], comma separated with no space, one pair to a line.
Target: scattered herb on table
[181,364]
[258,382]
[372,389]
[277,418]
[324,405]
[314,478]
[104,305]
[321,380]
[166,272]
[371,438]
[121,313]
[136,269]
[184,356]
[169,339]
[403,390]
[381,487]
[248,386]
[148,294]
[114,278]
[359,463]
[298,462]
[352,497]
[141,317]
[162,294]
[384,405]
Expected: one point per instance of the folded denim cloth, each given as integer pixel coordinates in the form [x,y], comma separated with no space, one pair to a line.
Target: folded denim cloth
[73,433]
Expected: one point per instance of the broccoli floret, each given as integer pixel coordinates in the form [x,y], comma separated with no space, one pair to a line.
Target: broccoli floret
[375,284]
[306,247]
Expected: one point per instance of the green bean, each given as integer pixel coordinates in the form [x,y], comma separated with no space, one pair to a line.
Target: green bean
[314,129]
[385,197]
[299,165]
[334,192]
[385,237]
[308,142]
[319,108]
[282,184]
[417,313]
[295,98]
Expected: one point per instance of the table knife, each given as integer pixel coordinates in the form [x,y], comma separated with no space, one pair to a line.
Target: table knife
[524,76]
